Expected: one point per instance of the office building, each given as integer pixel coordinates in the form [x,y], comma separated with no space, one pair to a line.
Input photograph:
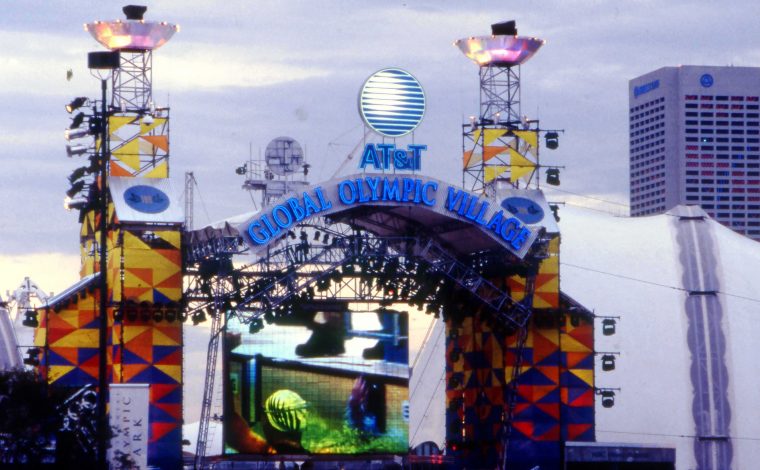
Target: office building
[694,140]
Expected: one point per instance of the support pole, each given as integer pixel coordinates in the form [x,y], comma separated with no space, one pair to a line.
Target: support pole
[103,428]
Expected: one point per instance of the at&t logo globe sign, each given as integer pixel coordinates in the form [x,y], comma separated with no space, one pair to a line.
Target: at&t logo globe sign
[392,103]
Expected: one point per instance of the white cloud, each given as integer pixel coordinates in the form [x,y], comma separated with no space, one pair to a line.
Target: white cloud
[210,67]
[53,272]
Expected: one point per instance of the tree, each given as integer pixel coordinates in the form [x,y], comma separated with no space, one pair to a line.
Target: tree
[28,418]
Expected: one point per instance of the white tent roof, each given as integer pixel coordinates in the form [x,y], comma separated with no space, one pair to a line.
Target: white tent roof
[686,292]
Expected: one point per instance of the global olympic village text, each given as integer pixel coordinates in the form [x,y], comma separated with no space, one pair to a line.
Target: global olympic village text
[382,189]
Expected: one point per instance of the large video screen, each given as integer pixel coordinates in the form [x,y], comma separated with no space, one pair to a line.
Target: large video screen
[331,380]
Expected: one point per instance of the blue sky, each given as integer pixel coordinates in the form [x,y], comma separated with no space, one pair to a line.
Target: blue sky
[240,73]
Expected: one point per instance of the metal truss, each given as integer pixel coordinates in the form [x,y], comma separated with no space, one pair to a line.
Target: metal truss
[346,265]
[510,391]
[132,89]
[214,247]
[258,288]
[500,94]
[473,141]
[208,385]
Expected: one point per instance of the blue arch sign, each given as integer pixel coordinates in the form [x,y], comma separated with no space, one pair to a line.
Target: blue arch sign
[512,231]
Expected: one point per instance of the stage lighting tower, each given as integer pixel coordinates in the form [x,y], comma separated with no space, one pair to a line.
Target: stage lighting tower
[127,65]
[135,39]
[499,142]
[139,140]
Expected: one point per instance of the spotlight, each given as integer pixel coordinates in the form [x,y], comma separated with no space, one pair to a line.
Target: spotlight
[75,203]
[454,382]
[75,149]
[32,358]
[30,319]
[130,311]
[77,121]
[608,398]
[256,325]
[552,140]
[555,211]
[242,169]
[145,311]
[70,134]
[75,104]
[454,355]
[608,327]
[198,317]
[608,362]
[75,188]
[78,173]
[171,314]
[552,176]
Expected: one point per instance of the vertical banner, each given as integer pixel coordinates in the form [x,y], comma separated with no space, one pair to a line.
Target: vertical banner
[129,425]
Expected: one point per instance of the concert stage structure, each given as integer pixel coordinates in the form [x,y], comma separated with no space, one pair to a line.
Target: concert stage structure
[314,331]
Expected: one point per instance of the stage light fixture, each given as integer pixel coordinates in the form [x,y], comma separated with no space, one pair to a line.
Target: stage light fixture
[171,314]
[30,319]
[454,382]
[145,311]
[75,104]
[32,357]
[608,326]
[75,188]
[77,120]
[130,310]
[608,362]
[257,324]
[454,355]
[608,398]
[70,134]
[552,140]
[198,317]
[75,149]
[75,203]
[555,211]
[78,173]
[552,176]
